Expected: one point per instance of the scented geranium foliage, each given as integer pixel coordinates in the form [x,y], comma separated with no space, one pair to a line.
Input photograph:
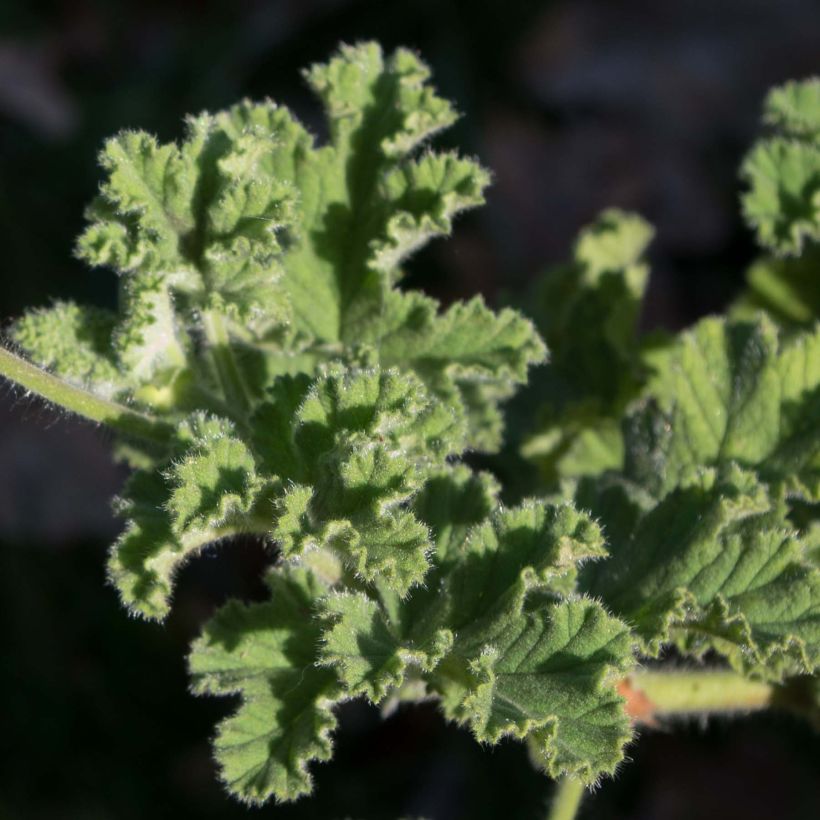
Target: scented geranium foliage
[266,374]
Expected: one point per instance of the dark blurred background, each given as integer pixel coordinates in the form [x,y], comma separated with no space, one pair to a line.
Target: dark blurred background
[575,105]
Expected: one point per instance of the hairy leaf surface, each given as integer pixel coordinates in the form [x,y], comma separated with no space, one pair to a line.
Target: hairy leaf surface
[267,654]
[732,391]
[716,565]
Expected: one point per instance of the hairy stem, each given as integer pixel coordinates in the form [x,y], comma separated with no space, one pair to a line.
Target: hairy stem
[227,369]
[652,694]
[82,402]
[567,799]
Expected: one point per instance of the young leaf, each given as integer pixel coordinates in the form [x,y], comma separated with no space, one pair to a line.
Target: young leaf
[73,342]
[782,202]
[267,654]
[360,444]
[200,213]
[205,494]
[588,312]
[794,108]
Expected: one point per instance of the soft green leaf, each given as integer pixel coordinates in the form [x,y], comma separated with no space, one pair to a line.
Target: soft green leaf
[794,108]
[75,343]
[532,546]
[267,654]
[451,503]
[365,203]
[367,650]
[588,313]
[732,391]
[200,213]
[357,446]
[782,173]
[548,676]
[716,565]
[783,201]
[205,493]
[214,484]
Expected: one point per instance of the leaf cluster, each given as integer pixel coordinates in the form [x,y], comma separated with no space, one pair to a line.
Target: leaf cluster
[312,402]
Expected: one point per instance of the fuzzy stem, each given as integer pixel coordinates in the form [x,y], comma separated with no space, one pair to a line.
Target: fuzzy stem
[651,694]
[567,799]
[80,401]
[227,369]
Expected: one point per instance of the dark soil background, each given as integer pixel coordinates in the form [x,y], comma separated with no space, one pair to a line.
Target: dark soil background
[575,106]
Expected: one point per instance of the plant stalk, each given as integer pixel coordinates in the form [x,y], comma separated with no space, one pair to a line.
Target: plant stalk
[82,402]
[652,694]
[567,799]
[227,369]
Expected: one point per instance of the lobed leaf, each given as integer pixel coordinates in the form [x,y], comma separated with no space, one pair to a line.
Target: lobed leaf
[732,391]
[368,650]
[267,654]
[74,342]
[716,565]
[782,201]
[547,676]
[588,312]
[205,493]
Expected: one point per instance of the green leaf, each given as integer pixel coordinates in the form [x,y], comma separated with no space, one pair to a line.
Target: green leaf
[215,483]
[532,546]
[267,654]
[468,355]
[359,444]
[207,492]
[365,202]
[451,503]
[732,391]
[201,214]
[783,201]
[794,108]
[716,565]
[588,313]
[548,676]
[73,342]
[369,653]
[782,173]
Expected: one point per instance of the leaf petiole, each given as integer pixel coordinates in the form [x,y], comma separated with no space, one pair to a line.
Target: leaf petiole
[567,800]
[82,402]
